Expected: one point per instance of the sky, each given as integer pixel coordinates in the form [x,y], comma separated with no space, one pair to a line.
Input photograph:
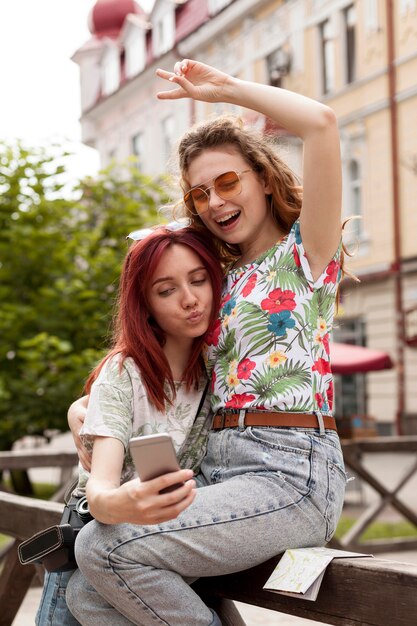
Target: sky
[39,84]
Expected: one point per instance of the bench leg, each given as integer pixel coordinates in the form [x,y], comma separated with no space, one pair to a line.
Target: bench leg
[14,582]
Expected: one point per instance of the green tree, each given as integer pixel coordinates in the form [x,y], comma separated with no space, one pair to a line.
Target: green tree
[61,250]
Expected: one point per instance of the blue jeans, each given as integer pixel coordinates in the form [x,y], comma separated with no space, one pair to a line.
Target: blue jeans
[262,490]
[53,609]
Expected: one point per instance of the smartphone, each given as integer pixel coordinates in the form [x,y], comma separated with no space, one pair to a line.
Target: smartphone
[154,455]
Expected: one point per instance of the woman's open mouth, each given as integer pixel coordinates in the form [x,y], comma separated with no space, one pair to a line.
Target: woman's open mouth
[227,221]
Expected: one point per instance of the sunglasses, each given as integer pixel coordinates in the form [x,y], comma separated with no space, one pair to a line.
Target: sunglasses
[226,186]
[138,235]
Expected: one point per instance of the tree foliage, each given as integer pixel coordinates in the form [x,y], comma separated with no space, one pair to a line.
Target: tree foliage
[61,251]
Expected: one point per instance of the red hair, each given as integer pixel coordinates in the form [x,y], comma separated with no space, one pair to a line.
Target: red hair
[136,334]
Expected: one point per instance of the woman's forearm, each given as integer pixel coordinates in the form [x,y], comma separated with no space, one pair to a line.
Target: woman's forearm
[103,499]
[294,112]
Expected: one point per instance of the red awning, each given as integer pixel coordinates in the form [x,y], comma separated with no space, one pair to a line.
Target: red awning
[350,359]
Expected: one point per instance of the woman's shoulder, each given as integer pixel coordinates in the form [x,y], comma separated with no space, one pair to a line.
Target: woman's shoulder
[119,370]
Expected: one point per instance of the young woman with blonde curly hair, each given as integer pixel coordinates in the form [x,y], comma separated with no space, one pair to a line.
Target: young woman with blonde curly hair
[273,476]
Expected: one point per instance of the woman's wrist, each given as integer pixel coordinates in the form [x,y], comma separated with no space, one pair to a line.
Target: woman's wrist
[103,505]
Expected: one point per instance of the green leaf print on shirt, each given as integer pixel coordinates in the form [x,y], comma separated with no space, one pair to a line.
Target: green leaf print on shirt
[227,351]
[285,274]
[272,383]
[321,305]
[116,408]
[254,324]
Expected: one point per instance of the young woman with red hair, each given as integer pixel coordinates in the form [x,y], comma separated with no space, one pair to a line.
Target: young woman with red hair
[152,380]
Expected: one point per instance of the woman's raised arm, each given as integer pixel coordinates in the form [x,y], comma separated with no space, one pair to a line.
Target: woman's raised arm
[313,122]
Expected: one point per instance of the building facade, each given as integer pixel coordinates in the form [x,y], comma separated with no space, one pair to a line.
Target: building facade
[360,58]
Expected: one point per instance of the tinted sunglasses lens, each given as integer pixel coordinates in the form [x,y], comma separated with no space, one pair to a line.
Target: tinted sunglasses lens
[196,201]
[227,185]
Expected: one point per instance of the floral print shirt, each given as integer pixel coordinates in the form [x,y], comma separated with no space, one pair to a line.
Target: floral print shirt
[119,407]
[270,347]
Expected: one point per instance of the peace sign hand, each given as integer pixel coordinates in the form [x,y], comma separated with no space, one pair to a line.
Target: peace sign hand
[196,80]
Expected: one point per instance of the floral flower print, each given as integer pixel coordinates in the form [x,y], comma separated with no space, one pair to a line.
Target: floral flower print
[229,304]
[321,402]
[245,368]
[319,399]
[279,323]
[276,358]
[297,232]
[322,366]
[271,349]
[232,380]
[321,325]
[212,337]
[332,272]
[248,288]
[279,300]
[323,340]
[296,256]
[329,393]
[239,400]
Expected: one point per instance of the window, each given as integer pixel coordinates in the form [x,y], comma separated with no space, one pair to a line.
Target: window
[138,149]
[111,70]
[135,53]
[350,43]
[163,29]
[353,206]
[371,16]
[350,390]
[327,56]
[167,126]
[278,64]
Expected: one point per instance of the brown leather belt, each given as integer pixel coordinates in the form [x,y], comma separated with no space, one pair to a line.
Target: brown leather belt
[283,420]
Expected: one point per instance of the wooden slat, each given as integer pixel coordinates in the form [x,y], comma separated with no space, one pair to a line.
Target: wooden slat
[355,591]
[382,444]
[14,582]
[26,459]
[22,517]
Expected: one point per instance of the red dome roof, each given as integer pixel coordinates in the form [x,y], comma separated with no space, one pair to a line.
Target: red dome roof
[107,16]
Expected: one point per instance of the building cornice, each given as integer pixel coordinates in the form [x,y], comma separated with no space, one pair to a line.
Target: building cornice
[232,14]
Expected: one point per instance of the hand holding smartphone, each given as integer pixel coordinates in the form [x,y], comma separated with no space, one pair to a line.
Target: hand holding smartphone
[153,456]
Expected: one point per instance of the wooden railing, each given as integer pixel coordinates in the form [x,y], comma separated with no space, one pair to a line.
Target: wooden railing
[354,591]
[354,455]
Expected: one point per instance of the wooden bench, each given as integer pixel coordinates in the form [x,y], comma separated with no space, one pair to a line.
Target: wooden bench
[354,591]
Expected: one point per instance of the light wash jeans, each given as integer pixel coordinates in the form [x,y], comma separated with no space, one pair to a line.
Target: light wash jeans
[53,609]
[262,490]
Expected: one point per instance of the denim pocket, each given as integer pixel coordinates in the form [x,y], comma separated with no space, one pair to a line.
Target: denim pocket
[335,496]
[284,451]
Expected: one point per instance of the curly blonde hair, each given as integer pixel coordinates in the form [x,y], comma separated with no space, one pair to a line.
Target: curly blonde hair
[229,132]
[285,199]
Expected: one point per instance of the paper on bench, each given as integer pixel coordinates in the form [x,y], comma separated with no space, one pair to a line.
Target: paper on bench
[300,571]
